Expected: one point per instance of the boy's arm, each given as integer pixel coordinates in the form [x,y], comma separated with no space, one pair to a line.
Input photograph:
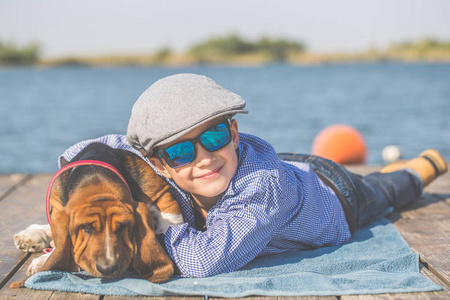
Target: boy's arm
[232,241]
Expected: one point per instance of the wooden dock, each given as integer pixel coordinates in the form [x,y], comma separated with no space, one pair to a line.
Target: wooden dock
[424,225]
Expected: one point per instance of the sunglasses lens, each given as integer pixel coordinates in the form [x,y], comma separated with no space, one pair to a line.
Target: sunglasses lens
[183,153]
[180,154]
[216,138]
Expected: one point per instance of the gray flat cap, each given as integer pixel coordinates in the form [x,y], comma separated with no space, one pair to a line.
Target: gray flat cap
[174,105]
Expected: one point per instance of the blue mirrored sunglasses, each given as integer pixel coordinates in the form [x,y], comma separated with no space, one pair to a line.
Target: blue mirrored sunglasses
[212,139]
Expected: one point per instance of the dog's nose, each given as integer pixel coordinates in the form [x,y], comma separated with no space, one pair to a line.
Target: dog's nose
[107,269]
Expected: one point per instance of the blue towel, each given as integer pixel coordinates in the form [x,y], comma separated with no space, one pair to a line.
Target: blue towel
[376,260]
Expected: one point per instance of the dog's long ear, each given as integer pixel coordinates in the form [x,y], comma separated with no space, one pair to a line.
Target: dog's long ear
[62,256]
[150,260]
[148,185]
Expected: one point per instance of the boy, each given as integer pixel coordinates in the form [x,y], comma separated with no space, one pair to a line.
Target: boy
[238,198]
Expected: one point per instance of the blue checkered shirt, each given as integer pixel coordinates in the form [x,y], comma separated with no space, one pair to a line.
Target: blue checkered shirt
[270,206]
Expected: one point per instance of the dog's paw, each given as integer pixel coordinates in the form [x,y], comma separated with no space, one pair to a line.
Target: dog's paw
[37,264]
[33,239]
[162,220]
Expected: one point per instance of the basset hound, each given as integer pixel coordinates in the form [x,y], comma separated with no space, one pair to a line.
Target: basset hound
[105,217]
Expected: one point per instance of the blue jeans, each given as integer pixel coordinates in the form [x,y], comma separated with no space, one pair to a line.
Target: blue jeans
[363,198]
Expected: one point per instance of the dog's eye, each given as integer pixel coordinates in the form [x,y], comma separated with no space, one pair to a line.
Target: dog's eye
[88,228]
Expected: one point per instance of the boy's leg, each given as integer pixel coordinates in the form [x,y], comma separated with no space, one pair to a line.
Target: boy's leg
[366,199]
[393,183]
[429,165]
[377,192]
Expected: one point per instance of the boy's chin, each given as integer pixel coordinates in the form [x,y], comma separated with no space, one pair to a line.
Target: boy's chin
[211,193]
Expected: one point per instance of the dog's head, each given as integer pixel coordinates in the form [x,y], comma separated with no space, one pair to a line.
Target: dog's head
[97,226]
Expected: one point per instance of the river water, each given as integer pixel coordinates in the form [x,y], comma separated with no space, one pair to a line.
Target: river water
[44,111]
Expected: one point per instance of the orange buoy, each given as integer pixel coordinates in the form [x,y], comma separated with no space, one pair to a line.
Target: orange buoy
[340,143]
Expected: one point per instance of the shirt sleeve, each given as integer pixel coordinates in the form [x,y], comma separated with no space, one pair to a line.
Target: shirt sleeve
[116,141]
[236,236]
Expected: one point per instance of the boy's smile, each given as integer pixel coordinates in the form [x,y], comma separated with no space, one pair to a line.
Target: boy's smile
[209,175]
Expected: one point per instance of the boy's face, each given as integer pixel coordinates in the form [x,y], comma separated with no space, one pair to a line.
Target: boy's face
[209,175]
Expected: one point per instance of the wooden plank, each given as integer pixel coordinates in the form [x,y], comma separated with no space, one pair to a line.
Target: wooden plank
[440,186]
[8,183]
[445,294]
[431,211]
[425,226]
[282,298]
[72,296]
[9,180]
[308,298]
[249,298]
[18,210]
[153,298]
[363,169]
[25,293]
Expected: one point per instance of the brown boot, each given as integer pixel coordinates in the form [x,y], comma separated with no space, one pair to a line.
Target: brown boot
[430,164]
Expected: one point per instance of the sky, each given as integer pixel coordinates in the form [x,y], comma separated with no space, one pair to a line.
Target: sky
[101,27]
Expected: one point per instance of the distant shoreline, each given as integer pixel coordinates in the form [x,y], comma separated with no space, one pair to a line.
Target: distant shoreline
[81,64]
[305,59]
[232,50]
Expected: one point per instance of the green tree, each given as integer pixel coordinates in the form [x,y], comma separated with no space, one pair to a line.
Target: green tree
[224,48]
[279,49]
[220,48]
[162,55]
[12,55]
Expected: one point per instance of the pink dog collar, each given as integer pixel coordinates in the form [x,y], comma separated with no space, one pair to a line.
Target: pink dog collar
[76,164]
